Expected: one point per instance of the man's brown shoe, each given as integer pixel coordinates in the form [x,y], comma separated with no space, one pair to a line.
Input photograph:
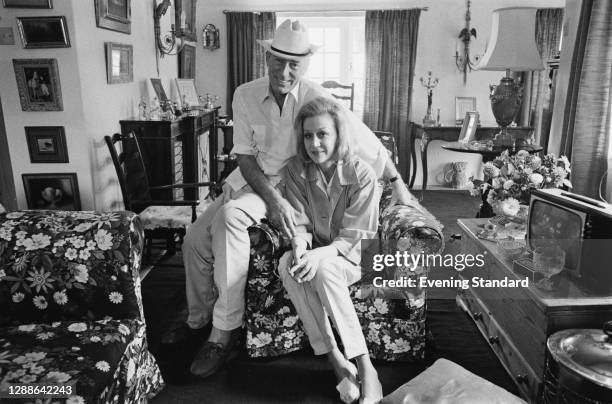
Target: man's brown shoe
[212,356]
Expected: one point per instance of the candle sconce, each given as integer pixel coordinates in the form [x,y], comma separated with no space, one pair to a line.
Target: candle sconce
[168,43]
[210,37]
[464,61]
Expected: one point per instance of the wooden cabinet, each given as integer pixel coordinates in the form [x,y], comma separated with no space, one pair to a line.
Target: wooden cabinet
[176,151]
[516,321]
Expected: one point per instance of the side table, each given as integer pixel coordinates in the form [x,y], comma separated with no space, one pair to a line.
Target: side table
[447,133]
[516,321]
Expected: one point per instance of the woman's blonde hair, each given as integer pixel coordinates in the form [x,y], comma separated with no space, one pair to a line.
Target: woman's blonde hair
[320,106]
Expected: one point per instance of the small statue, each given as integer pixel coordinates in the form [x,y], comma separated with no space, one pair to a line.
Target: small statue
[429,84]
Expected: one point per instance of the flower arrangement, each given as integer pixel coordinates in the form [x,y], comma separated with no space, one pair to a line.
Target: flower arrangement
[510,179]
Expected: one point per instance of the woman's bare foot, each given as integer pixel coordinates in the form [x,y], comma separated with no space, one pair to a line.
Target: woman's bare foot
[346,375]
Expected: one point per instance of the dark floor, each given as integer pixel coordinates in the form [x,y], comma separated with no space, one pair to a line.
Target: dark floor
[300,377]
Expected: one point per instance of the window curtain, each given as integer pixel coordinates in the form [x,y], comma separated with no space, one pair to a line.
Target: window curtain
[587,140]
[245,57]
[549,22]
[391,44]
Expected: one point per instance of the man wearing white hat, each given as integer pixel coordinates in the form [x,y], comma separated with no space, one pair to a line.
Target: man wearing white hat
[264,111]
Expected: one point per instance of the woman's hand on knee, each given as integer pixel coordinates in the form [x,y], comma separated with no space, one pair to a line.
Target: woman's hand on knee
[306,269]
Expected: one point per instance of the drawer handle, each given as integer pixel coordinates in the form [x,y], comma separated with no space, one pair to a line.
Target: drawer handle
[493,339]
[477,316]
[521,378]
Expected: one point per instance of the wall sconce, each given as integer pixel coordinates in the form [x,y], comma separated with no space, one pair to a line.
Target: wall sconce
[463,61]
[168,43]
[210,37]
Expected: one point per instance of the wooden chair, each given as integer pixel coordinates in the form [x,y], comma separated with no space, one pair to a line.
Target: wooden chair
[161,219]
[334,86]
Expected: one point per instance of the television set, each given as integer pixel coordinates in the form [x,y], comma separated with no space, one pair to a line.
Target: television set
[582,227]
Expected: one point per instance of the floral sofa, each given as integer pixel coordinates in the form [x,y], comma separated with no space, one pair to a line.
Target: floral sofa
[393,321]
[72,313]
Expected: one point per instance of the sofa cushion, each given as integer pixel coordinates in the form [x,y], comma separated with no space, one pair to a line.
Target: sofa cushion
[59,265]
[87,353]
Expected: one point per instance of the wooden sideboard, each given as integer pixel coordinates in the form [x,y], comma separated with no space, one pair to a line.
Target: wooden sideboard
[516,322]
[177,151]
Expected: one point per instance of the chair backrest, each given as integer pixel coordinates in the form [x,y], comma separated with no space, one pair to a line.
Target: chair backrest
[131,171]
[341,91]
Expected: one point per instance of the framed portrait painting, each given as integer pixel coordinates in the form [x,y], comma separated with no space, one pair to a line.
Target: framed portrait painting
[119,63]
[38,84]
[468,130]
[185,13]
[187,62]
[47,144]
[159,90]
[115,15]
[58,191]
[43,32]
[28,3]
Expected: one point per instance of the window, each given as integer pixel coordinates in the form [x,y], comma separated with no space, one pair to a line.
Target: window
[342,55]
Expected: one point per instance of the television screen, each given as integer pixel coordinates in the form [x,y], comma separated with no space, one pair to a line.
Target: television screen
[550,224]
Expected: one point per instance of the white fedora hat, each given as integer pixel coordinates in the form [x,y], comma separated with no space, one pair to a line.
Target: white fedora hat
[290,41]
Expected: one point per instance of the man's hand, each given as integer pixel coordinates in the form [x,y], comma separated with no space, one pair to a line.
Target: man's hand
[400,195]
[281,215]
[306,268]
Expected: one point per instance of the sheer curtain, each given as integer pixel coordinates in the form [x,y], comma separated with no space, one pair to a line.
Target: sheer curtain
[588,136]
[245,57]
[549,22]
[391,43]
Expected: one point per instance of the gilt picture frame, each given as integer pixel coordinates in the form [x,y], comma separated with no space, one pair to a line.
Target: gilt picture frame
[187,92]
[185,21]
[114,15]
[159,90]
[47,144]
[462,106]
[43,32]
[38,84]
[468,130]
[119,63]
[55,191]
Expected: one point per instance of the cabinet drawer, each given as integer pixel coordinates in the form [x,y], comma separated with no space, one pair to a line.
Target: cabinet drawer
[525,377]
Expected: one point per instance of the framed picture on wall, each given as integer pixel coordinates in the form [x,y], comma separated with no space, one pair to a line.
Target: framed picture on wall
[43,32]
[38,84]
[119,63]
[28,3]
[462,106]
[185,12]
[58,191]
[187,62]
[115,15]
[47,144]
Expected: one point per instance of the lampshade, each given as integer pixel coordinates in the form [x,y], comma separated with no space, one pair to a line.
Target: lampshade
[512,42]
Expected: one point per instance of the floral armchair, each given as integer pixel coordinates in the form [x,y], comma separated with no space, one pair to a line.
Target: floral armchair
[393,324]
[72,313]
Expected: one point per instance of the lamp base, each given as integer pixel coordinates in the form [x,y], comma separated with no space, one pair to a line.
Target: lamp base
[506,100]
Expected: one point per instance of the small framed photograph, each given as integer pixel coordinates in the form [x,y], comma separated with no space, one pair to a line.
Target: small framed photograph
[159,90]
[27,3]
[462,106]
[187,92]
[47,144]
[58,191]
[185,13]
[38,84]
[468,130]
[115,15]
[43,32]
[187,62]
[119,63]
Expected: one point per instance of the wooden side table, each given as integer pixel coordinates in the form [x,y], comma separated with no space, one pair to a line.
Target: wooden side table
[517,321]
[447,133]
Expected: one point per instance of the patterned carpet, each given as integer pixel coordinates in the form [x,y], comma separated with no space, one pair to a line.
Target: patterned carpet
[302,378]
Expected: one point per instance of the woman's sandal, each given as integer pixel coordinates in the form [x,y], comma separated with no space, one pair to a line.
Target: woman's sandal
[349,387]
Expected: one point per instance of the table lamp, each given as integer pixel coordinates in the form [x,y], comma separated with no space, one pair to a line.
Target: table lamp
[511,47]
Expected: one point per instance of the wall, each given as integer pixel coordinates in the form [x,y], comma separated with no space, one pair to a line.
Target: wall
[92,108]
[438,30]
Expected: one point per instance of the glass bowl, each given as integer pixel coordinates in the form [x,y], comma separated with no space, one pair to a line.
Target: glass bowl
[510,248]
